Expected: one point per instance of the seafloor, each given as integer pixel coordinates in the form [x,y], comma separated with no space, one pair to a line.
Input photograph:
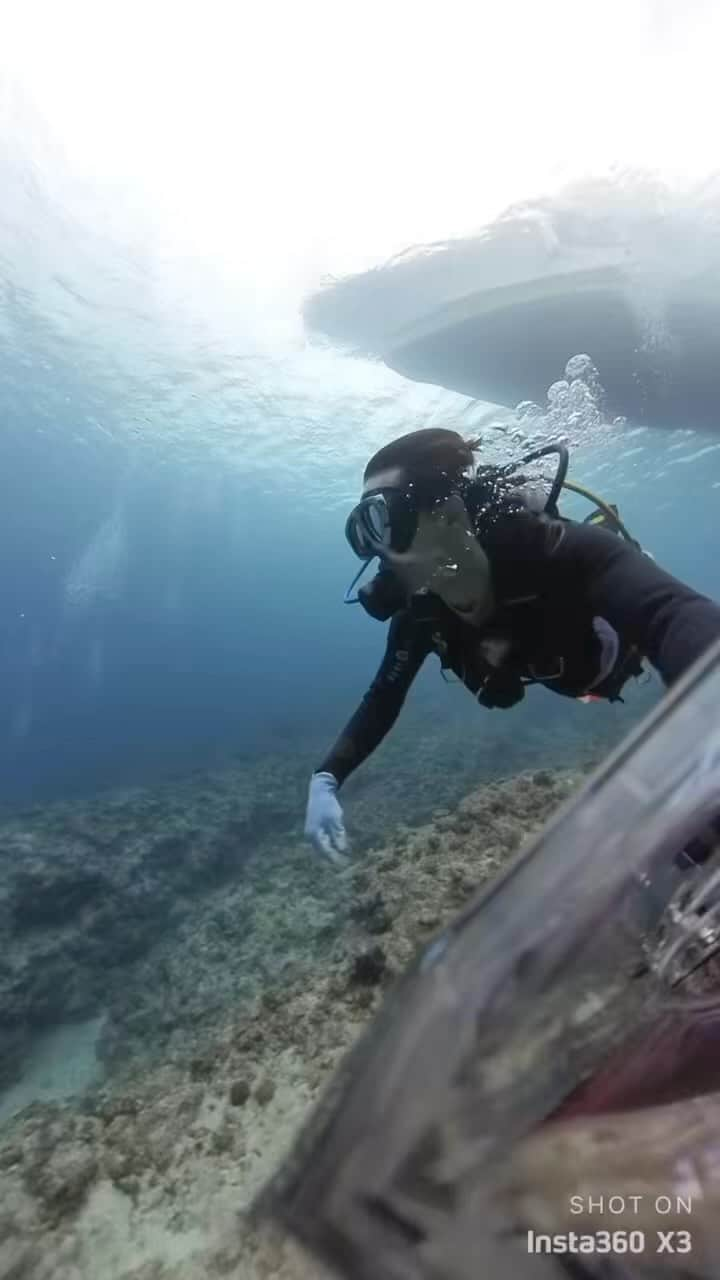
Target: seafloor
[179,975]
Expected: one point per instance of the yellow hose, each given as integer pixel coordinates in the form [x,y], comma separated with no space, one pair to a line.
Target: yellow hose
[602,505]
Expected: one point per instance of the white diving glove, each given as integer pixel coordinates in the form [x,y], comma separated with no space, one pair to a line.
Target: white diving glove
[324,824]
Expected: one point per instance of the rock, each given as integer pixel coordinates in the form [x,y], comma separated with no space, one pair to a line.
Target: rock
[44,895]
[118,1166]
[167,853]
[464,887]
[464,823]
[108,1106]
[379,922]
[364,998]
[227,1261]
[201,1067]
[428,919]
[60,1182]
[18,1259]
[265,1091]
[239,1093]
[10,1156]
[221,1142]
[368,967]
[129,1187]
[372,914]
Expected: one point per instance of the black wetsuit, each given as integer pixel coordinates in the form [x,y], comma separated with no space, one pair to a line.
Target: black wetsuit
[551,580]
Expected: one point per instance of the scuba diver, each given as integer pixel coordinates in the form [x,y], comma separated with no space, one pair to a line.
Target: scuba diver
[479,570]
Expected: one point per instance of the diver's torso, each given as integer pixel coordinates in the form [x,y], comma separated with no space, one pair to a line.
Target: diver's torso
[528,641]
[546,636]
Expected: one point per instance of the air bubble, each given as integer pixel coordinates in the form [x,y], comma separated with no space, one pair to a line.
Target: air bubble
[580,366]
[558,391]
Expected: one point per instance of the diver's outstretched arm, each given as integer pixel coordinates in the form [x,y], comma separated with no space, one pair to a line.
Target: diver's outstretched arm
[671,624]
[406,650]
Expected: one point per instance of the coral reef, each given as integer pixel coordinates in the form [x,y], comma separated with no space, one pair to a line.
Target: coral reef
[156,882]
[221,1029]
[87,889]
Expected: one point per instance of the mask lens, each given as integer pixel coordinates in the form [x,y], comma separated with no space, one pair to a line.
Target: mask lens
[381,520]
[377,520]
[368,527]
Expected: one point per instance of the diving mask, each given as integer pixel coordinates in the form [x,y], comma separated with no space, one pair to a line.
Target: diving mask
[383,520]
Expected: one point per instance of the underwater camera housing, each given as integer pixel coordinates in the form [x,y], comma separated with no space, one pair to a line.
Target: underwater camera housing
[561,1033]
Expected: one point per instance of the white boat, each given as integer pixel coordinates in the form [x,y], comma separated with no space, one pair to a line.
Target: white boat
[497,315]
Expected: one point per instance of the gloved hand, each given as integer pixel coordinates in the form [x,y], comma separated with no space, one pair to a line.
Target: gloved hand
[324,824]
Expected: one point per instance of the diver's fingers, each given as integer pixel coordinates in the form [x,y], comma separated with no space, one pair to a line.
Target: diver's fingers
[324,845]
[339,836]
[339,845]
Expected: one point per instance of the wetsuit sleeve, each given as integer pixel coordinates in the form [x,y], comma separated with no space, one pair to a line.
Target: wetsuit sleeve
[671,624]
[407,647]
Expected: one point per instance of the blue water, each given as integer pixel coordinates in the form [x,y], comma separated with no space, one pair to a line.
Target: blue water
[172,501]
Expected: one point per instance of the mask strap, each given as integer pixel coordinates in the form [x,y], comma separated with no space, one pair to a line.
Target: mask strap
[347,599]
